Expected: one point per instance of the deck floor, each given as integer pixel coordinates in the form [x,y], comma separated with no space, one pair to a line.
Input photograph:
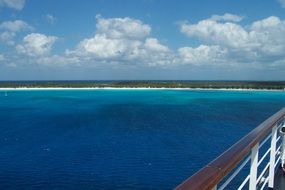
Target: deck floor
[279,183]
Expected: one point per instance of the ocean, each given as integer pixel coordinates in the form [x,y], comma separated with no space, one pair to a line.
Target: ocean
[121,139]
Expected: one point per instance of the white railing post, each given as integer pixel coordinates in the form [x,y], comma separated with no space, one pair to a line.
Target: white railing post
[282,156]
[253,167]
[272,157]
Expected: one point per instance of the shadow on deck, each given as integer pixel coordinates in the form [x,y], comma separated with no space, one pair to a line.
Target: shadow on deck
[279,182]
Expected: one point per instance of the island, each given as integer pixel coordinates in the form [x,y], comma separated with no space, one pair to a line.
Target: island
[246,85]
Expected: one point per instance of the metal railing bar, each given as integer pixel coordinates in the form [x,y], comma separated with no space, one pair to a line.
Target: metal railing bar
[272,159]
[280,124]
[225,184]
[278,150]
[243,183]
[277,161]
[253,167]
[264,156]
[265,140]
[278,139]
[265,182]
[262,173]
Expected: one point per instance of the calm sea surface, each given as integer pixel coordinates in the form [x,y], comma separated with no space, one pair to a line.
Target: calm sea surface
[120,139]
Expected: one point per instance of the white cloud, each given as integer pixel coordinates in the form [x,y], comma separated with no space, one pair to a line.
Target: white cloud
[268,36]
[36,44]
[10,28]
[7,38]
[15,26]
[227,17]
[15,4]
[202,55]
[257,42]
[123,40]
[128,41]
[122,28]
[50,19]
[282,2]
[153,44]
[228,33]
[103,47]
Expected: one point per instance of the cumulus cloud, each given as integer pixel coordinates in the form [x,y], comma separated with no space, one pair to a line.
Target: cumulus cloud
[260,41]
[228,33]
[117,28]
[14,4]
[7,38]
[202,55]
[128,41]
[15,26]
[268,36]
[123,40]
[10,28]
[36,44]
[153,44]
[103,47]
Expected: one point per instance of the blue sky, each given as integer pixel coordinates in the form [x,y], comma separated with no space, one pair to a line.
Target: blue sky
[142,39]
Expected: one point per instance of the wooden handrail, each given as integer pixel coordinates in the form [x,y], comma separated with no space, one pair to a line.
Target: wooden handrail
[209,176]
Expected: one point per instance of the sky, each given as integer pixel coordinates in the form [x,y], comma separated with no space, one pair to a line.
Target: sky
[142,40]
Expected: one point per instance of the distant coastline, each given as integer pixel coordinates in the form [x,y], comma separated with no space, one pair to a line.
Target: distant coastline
[144,85]
[133,88]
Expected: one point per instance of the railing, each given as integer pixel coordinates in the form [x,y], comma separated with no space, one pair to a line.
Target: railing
[219,173]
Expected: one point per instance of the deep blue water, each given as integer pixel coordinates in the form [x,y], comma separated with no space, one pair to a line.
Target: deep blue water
[120,139]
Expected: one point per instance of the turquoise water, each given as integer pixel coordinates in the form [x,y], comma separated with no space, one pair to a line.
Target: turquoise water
[120,139]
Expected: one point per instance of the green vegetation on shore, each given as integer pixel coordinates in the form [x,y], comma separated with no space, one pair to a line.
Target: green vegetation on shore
[270,85]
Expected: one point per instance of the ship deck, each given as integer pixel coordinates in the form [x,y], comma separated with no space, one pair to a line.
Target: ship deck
[279,182]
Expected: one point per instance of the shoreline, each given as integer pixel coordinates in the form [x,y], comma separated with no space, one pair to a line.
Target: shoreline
[134,88]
